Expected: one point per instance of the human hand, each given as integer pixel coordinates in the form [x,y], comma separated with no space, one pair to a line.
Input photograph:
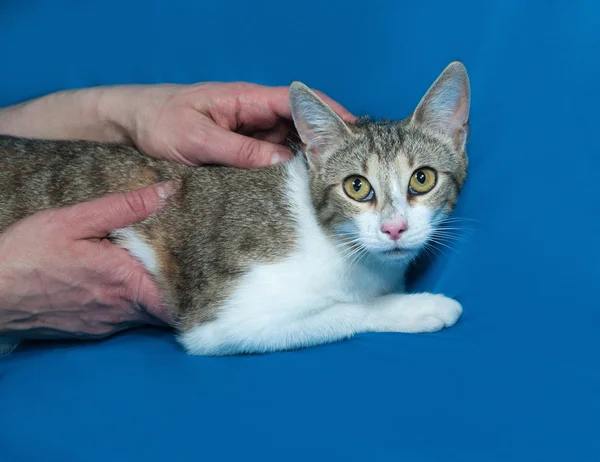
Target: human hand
[237,124]
[60,277]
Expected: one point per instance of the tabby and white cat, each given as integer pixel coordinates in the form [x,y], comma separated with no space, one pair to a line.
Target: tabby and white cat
[288,256]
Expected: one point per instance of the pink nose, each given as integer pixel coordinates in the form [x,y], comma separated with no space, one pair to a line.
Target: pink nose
[394,229]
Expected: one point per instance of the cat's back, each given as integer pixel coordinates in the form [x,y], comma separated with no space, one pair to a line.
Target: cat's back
[224,205]
[39,174]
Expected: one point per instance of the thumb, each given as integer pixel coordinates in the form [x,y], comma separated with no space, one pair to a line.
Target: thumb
[235,150]
[100,217]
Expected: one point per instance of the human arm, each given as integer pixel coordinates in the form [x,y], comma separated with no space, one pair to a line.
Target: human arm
[238,124]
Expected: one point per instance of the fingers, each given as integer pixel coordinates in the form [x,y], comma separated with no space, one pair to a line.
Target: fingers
[144,290]
[253,100]
[100,217]
[136,283]
[257,108]
[228,148]
[276,135]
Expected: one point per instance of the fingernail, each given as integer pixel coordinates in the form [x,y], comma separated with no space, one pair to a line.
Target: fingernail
[278,158]
[165,189]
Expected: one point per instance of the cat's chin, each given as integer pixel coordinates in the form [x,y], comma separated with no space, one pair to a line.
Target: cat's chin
[397,254]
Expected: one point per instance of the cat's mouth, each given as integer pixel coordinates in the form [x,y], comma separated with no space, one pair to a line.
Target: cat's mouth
[397,252]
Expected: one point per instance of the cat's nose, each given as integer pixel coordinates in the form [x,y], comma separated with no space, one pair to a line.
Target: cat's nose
[394,229]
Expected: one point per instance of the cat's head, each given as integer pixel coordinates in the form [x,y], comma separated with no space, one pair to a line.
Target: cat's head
[386,186]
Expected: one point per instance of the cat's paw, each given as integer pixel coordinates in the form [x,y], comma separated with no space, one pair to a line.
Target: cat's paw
[418,313]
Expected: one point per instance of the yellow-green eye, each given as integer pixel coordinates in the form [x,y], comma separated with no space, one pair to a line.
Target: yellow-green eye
[422,181]
[358,188]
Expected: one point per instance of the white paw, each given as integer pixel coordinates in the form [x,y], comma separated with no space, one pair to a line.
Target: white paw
[416,313]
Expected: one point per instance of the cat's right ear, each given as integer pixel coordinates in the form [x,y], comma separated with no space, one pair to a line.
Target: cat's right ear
[319,127]
[445,107]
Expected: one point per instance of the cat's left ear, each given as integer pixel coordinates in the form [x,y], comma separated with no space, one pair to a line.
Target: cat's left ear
[319,127]
[445,107]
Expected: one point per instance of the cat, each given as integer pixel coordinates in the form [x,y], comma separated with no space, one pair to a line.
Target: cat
[283,257]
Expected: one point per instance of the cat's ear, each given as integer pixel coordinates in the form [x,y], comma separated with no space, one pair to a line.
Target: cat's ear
[445,107]
[319,127]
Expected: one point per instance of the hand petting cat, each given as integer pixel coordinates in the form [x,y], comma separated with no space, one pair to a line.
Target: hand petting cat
[238,124]
[60,277]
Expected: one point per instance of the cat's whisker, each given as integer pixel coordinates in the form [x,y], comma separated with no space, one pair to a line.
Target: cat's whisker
[347,255]
[449,237]
[363,251]
[435,249]
[454,230]
[456,219]
[451,219]
[448,234]
[429,249]
[344,240]
[348,244]
[347,270]
[447,224]
[345,237]
[438,242]
[450,228]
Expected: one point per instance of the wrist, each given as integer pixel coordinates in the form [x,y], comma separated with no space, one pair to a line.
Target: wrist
[129,108]
[116,108]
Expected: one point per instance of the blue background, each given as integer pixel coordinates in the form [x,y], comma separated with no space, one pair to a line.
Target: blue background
[516,379]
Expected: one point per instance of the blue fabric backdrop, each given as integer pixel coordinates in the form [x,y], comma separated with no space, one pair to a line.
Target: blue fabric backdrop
[516,379]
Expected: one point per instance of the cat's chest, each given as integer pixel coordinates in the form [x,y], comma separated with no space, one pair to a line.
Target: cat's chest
[314,277]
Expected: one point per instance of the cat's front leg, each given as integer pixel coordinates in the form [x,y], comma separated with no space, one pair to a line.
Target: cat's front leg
[412,313]
[235,333]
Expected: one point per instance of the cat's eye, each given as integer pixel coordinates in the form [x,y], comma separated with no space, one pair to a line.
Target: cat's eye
[358,188]
[422,181]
